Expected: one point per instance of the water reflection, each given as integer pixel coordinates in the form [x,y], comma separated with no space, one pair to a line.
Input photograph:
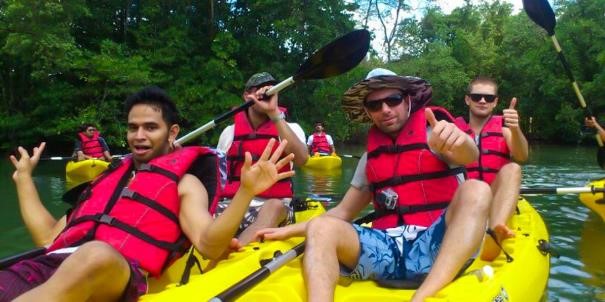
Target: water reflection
[592,253]
[321,182]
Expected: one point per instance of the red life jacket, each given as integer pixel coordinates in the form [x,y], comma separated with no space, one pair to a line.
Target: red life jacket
[493,150]
[320,143]
[140,219]
[91,146]
[246,138]
[422,183]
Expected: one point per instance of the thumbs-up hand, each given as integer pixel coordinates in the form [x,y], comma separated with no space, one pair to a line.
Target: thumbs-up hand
[511,117]
[444,137]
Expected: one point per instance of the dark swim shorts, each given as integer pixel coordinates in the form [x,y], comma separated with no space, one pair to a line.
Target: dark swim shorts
[27,274]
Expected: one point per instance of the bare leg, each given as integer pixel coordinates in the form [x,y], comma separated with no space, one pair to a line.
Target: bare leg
[506,191]
[330,241]
[95,272]
[466,219]
[271,214]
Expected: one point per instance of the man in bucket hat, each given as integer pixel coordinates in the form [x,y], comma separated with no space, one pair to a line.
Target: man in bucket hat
[427,222]
[252,129]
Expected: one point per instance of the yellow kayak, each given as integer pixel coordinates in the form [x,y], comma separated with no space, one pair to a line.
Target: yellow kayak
[79,172]
[523,279]
[202,287]
[595,202]
[325,162]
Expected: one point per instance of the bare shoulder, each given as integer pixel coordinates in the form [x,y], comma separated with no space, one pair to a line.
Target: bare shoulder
[190,184]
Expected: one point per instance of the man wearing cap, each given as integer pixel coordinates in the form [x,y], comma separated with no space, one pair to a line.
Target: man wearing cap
[251,130]
[427,222]
[500,140]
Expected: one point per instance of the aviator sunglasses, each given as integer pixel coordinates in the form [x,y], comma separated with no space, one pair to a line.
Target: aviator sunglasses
[476,97]
[391,101]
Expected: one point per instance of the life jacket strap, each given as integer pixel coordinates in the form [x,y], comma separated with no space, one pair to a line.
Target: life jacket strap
[396,149]
[402,179]
[132,195]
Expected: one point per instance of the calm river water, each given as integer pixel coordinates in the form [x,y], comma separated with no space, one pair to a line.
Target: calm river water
[577,234]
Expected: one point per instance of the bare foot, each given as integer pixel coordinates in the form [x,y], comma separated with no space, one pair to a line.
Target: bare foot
[491,248]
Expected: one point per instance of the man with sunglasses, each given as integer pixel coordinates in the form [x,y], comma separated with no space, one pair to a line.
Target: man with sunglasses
[427,222]
[252,129]
[500,140]
[90,144]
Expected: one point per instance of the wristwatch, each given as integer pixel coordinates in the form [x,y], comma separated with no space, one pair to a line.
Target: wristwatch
[280,116]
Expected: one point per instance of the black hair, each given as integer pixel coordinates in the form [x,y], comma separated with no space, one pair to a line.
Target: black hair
[157,97]
[85,126]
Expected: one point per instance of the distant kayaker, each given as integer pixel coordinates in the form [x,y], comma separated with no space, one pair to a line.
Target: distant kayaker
[250,132]
[320,142]
[592,123]
[136,218]
[90,144]
[502,147]
[412,172]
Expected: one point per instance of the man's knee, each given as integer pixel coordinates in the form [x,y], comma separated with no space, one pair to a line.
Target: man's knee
[325,226]
[274,206]
[98,255]
[510,169]
[474,194]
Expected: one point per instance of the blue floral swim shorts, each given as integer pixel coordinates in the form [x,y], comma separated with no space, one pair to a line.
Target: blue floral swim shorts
[382,258]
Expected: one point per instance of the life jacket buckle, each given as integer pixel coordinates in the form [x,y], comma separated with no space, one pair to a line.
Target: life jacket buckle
[128,193]
[106,219]
[144,167]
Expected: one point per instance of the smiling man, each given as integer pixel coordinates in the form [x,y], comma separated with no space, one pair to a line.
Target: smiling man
[137,217]
[500,140]
[427,221]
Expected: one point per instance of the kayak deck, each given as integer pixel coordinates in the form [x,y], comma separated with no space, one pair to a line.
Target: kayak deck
[327,162]
[83,171]
[523,279]
[595,201]
[238,265]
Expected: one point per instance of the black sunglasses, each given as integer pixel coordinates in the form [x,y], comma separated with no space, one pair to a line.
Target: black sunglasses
[476,97]
[391,101]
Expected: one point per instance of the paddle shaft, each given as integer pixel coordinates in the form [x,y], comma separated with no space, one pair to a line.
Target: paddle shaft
[560,191]
[574,84]
[337,57]
[227,115]
[259,275]
[543,190]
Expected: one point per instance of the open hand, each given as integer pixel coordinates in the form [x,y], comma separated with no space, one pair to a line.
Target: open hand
[511,116]
[265,172]
[26,164]
[445,136]
[272,234]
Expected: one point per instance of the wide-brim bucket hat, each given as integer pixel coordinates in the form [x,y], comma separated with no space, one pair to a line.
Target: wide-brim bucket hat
[352,102]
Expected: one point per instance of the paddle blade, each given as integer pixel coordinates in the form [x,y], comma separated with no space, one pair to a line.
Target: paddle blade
[601,157]
[541,13]
[338,57]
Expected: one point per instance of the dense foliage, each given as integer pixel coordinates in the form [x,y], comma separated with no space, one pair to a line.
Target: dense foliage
[64,63]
